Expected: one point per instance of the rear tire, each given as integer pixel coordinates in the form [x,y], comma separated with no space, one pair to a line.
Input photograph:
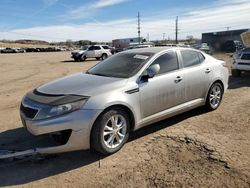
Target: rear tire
[110,131]
[236,73]
[104,56]
[214,96]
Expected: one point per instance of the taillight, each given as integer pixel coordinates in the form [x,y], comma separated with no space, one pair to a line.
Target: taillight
[224,64]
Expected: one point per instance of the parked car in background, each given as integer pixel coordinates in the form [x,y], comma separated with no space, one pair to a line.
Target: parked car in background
[9,50]
[98,109]
[231,46]
[1,49]
[241,63]
[93,51]
[20,50]
[205,48]
[32,50]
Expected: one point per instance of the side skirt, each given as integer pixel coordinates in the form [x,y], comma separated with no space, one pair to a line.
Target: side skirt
[170,112]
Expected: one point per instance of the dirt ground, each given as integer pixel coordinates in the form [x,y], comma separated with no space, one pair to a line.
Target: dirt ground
[194,149]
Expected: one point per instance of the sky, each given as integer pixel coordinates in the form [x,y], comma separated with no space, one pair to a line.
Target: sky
[104,20]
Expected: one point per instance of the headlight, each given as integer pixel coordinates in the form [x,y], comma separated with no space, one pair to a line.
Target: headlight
[53,111]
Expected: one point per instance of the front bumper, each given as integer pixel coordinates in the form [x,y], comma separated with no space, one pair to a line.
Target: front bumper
[75,56]
[243,67]
[80,122]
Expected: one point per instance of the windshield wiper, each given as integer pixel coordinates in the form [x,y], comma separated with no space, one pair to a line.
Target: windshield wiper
[97,74]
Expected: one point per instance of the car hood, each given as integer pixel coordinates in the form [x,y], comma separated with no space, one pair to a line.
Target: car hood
[81,84]
[79,52]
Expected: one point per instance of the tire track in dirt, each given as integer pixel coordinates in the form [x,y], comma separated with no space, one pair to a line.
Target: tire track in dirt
[20,78]
[174,161]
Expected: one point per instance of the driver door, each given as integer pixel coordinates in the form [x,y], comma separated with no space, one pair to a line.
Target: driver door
[90,52]
[164,90]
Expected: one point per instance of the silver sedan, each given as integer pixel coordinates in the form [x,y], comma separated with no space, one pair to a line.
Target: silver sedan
[98,109]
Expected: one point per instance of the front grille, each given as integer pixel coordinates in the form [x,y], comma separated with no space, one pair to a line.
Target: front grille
[28,112]
[244,64]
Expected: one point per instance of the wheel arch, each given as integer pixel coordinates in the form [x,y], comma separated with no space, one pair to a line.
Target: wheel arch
[129,112]
[215,81]
[121,106]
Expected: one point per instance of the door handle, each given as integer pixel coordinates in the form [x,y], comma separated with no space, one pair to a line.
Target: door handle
[178,79]
[207,70]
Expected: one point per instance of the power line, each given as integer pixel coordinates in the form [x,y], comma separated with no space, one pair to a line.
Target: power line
[163,36]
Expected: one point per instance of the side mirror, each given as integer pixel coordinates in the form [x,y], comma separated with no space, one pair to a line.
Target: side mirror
[151,72]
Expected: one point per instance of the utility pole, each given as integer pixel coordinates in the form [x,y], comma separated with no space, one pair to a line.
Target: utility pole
[176,30]
[139,28]
[163,36]
[148,37]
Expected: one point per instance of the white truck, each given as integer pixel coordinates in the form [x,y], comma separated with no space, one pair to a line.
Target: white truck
[242,59]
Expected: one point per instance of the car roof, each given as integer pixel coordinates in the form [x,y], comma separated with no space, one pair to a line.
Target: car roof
[100,45]
[154,50]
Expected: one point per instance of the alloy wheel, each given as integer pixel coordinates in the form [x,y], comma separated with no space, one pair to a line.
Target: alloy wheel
[114,131]
[215,96]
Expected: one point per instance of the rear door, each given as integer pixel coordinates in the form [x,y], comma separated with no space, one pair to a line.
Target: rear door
[165,89]
[98,51]
[197,74]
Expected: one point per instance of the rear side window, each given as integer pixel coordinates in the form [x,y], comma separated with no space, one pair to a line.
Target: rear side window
[245,57]
[168,62]
[97,47]
[191,58]
[105,47]
[201,56]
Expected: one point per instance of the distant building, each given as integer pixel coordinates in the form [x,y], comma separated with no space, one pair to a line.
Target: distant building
[124,43]
[217,39]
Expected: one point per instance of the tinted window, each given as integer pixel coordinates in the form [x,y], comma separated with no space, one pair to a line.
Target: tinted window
[121,65]
[105,47]
[245,57]
[168,62]
[201,56]
[190,58]
[91,48]
[97,47]
[84,48]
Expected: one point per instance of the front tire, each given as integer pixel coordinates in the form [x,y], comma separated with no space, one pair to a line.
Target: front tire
[83,58]
[110,131]
[76,59]
[214,96]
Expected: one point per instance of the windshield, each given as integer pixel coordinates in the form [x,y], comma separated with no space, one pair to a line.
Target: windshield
[121,65]
[84,47]
[245,57]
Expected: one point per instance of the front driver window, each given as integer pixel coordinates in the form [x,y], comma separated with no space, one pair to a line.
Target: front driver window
[168,62]
[91,48]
